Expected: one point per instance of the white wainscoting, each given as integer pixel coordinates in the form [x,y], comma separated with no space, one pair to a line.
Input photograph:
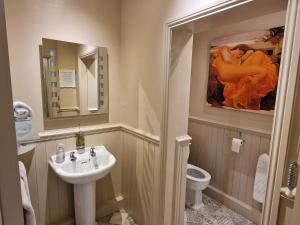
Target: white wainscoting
[134,178]
[182,152]
[141,176]
[232,174]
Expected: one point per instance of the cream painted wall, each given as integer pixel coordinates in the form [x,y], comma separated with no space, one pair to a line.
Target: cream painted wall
[95,22]
[81,21]
[143,54]
[198,107]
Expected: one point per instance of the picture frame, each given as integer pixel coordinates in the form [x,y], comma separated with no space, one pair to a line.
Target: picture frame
[244,71]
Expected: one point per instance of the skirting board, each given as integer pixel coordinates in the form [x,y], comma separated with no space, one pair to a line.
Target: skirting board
[104,208]
[234,204]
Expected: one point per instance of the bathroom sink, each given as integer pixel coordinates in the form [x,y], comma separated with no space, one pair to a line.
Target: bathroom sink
[85,168]
[83,171]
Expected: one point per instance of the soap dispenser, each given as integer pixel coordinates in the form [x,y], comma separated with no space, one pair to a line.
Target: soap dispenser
[80,143]
[60,153]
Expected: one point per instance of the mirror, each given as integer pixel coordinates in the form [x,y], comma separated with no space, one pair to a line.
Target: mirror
[74,79]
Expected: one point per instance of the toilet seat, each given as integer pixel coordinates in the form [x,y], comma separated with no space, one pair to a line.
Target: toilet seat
[197,174]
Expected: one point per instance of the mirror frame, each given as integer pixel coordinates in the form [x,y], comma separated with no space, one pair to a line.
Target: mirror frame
[103,76]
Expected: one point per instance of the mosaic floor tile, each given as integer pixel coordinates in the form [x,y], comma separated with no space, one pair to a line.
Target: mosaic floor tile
[214,213]
[118,218]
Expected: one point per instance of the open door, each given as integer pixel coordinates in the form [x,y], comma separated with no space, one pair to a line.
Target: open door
[287,130]
[296,210]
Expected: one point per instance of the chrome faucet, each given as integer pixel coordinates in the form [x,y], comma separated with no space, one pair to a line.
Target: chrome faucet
[94,158]
[92,152]
[72,156]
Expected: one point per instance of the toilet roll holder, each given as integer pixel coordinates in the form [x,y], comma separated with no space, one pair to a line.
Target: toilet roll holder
[239,137]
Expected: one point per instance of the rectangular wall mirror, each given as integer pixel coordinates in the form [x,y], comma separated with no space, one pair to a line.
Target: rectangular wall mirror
[74,79]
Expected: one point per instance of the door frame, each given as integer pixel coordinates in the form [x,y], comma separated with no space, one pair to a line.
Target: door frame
[296,60]
[282,116]
[10,192]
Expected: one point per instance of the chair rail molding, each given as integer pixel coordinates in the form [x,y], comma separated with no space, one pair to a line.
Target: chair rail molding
[260,132]
[95,129]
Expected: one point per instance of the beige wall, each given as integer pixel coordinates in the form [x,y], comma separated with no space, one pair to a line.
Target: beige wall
[200,68]
[143,59]
[95,22]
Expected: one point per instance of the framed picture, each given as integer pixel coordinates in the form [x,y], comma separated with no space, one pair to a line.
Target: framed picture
[244,69]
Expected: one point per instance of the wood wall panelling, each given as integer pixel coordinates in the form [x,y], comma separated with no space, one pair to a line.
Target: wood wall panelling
[110,186]
[51,197]
[139,178]
[135,177]
[232,174]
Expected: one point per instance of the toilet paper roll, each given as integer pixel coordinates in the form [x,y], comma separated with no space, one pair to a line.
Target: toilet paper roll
[236,145]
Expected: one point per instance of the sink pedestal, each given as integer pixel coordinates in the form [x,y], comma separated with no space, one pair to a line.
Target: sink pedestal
[85,203]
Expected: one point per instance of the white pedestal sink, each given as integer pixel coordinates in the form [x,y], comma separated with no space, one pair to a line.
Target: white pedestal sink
[83,173]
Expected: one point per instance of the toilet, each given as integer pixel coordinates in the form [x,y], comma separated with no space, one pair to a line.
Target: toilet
[197,180]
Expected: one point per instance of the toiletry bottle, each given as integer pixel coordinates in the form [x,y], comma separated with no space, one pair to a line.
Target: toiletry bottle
[60,153]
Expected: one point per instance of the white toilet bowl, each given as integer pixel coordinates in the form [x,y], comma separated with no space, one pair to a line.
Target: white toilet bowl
[197,180]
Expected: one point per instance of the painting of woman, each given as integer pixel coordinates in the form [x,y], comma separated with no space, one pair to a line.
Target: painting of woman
[245,74]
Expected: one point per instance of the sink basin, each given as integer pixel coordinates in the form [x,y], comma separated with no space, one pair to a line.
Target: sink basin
[84,169]
[83,173]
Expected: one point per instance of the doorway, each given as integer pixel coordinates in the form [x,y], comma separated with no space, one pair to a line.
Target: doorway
[180,46]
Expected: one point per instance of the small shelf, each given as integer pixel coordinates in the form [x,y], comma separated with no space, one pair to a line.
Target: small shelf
[24,148]
[25,132]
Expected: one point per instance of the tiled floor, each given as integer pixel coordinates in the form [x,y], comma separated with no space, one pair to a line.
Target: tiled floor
[117,218]
[214,213]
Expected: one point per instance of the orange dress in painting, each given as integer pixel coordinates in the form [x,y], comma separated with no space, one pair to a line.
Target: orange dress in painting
[245,81]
